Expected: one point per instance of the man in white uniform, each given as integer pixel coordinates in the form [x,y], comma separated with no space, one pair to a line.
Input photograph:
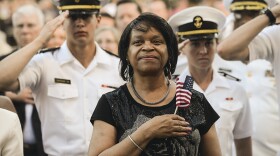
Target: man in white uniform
[198,27]
[67,82]
[264,107]
[254,40]
[259,84]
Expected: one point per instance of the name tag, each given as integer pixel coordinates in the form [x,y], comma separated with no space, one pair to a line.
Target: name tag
[64,81]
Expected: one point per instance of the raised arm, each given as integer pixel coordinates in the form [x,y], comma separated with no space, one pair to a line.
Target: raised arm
[235,46]
[12,65]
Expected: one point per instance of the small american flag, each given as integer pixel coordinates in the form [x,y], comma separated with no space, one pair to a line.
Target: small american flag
[183,93]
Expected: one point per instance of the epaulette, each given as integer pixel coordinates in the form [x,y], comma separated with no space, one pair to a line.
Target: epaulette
[48,50]
[110,53]
[226,75]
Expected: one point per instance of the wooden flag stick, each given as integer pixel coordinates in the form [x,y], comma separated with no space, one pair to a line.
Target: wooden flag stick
[176,110]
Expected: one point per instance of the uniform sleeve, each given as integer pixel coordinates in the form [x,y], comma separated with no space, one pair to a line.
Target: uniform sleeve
[243,126]
[31,74]
[210,117]
[103,111]
[263,45]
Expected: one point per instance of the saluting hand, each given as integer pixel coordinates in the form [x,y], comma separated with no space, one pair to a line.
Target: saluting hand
[276,12]
[182,45]
[51,26]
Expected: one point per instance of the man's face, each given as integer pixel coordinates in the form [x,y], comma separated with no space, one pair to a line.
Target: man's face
[80,29]
[125,14]
[159,8]
[26,28]
[107,41]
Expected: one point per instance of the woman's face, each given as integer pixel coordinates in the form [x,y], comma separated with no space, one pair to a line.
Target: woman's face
[107,41]
[147,52]
[200,53]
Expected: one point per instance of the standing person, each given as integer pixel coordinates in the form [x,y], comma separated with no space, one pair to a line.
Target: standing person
[11,142]
[126,12]
[66,82]
[138,118]
[106,20]
[262,92]
[241,12]
[198,27]
[108,38]
[252,46]
[159,7]
[259,84]
[28,21]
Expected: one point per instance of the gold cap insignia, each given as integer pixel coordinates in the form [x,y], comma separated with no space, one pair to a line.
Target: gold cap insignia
[197,21]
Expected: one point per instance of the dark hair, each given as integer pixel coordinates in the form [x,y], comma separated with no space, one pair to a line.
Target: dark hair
[105,14]
[143,23]
[130,1]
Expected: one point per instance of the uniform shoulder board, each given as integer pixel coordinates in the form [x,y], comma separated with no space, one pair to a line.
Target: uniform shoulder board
[48,50]
[226,75]
[110,53]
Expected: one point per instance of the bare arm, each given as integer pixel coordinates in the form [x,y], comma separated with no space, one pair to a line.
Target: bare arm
[235,46]
[210,144]
[103,141]
[24,95]
[243,146]
[12,65]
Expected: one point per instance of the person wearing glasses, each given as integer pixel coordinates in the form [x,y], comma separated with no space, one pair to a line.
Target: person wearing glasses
[67,81]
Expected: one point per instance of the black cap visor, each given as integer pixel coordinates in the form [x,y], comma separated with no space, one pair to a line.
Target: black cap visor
[197,37]
[83,14]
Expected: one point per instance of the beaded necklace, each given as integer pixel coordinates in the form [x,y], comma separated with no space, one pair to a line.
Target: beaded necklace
[150,103]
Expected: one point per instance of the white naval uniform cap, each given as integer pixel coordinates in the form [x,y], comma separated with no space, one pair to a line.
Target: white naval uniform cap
[199,22]
[249,5]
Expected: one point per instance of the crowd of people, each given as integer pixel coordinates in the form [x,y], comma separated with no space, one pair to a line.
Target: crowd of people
[93,77]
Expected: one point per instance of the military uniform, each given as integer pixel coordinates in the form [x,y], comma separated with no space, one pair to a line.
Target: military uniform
[65,91]
[66,94]
[201,26]
[261,88]
[228,100]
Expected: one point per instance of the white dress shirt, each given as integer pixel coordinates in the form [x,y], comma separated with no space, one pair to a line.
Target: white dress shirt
[66,95]
[229,100]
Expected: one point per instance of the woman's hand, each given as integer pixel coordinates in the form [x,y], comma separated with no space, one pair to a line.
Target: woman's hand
[168,125]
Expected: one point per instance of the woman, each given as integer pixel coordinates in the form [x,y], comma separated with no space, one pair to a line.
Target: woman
[137,118]
[108,39]
[227,97]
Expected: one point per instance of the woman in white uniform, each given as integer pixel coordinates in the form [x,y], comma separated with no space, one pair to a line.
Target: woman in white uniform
[198,27]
